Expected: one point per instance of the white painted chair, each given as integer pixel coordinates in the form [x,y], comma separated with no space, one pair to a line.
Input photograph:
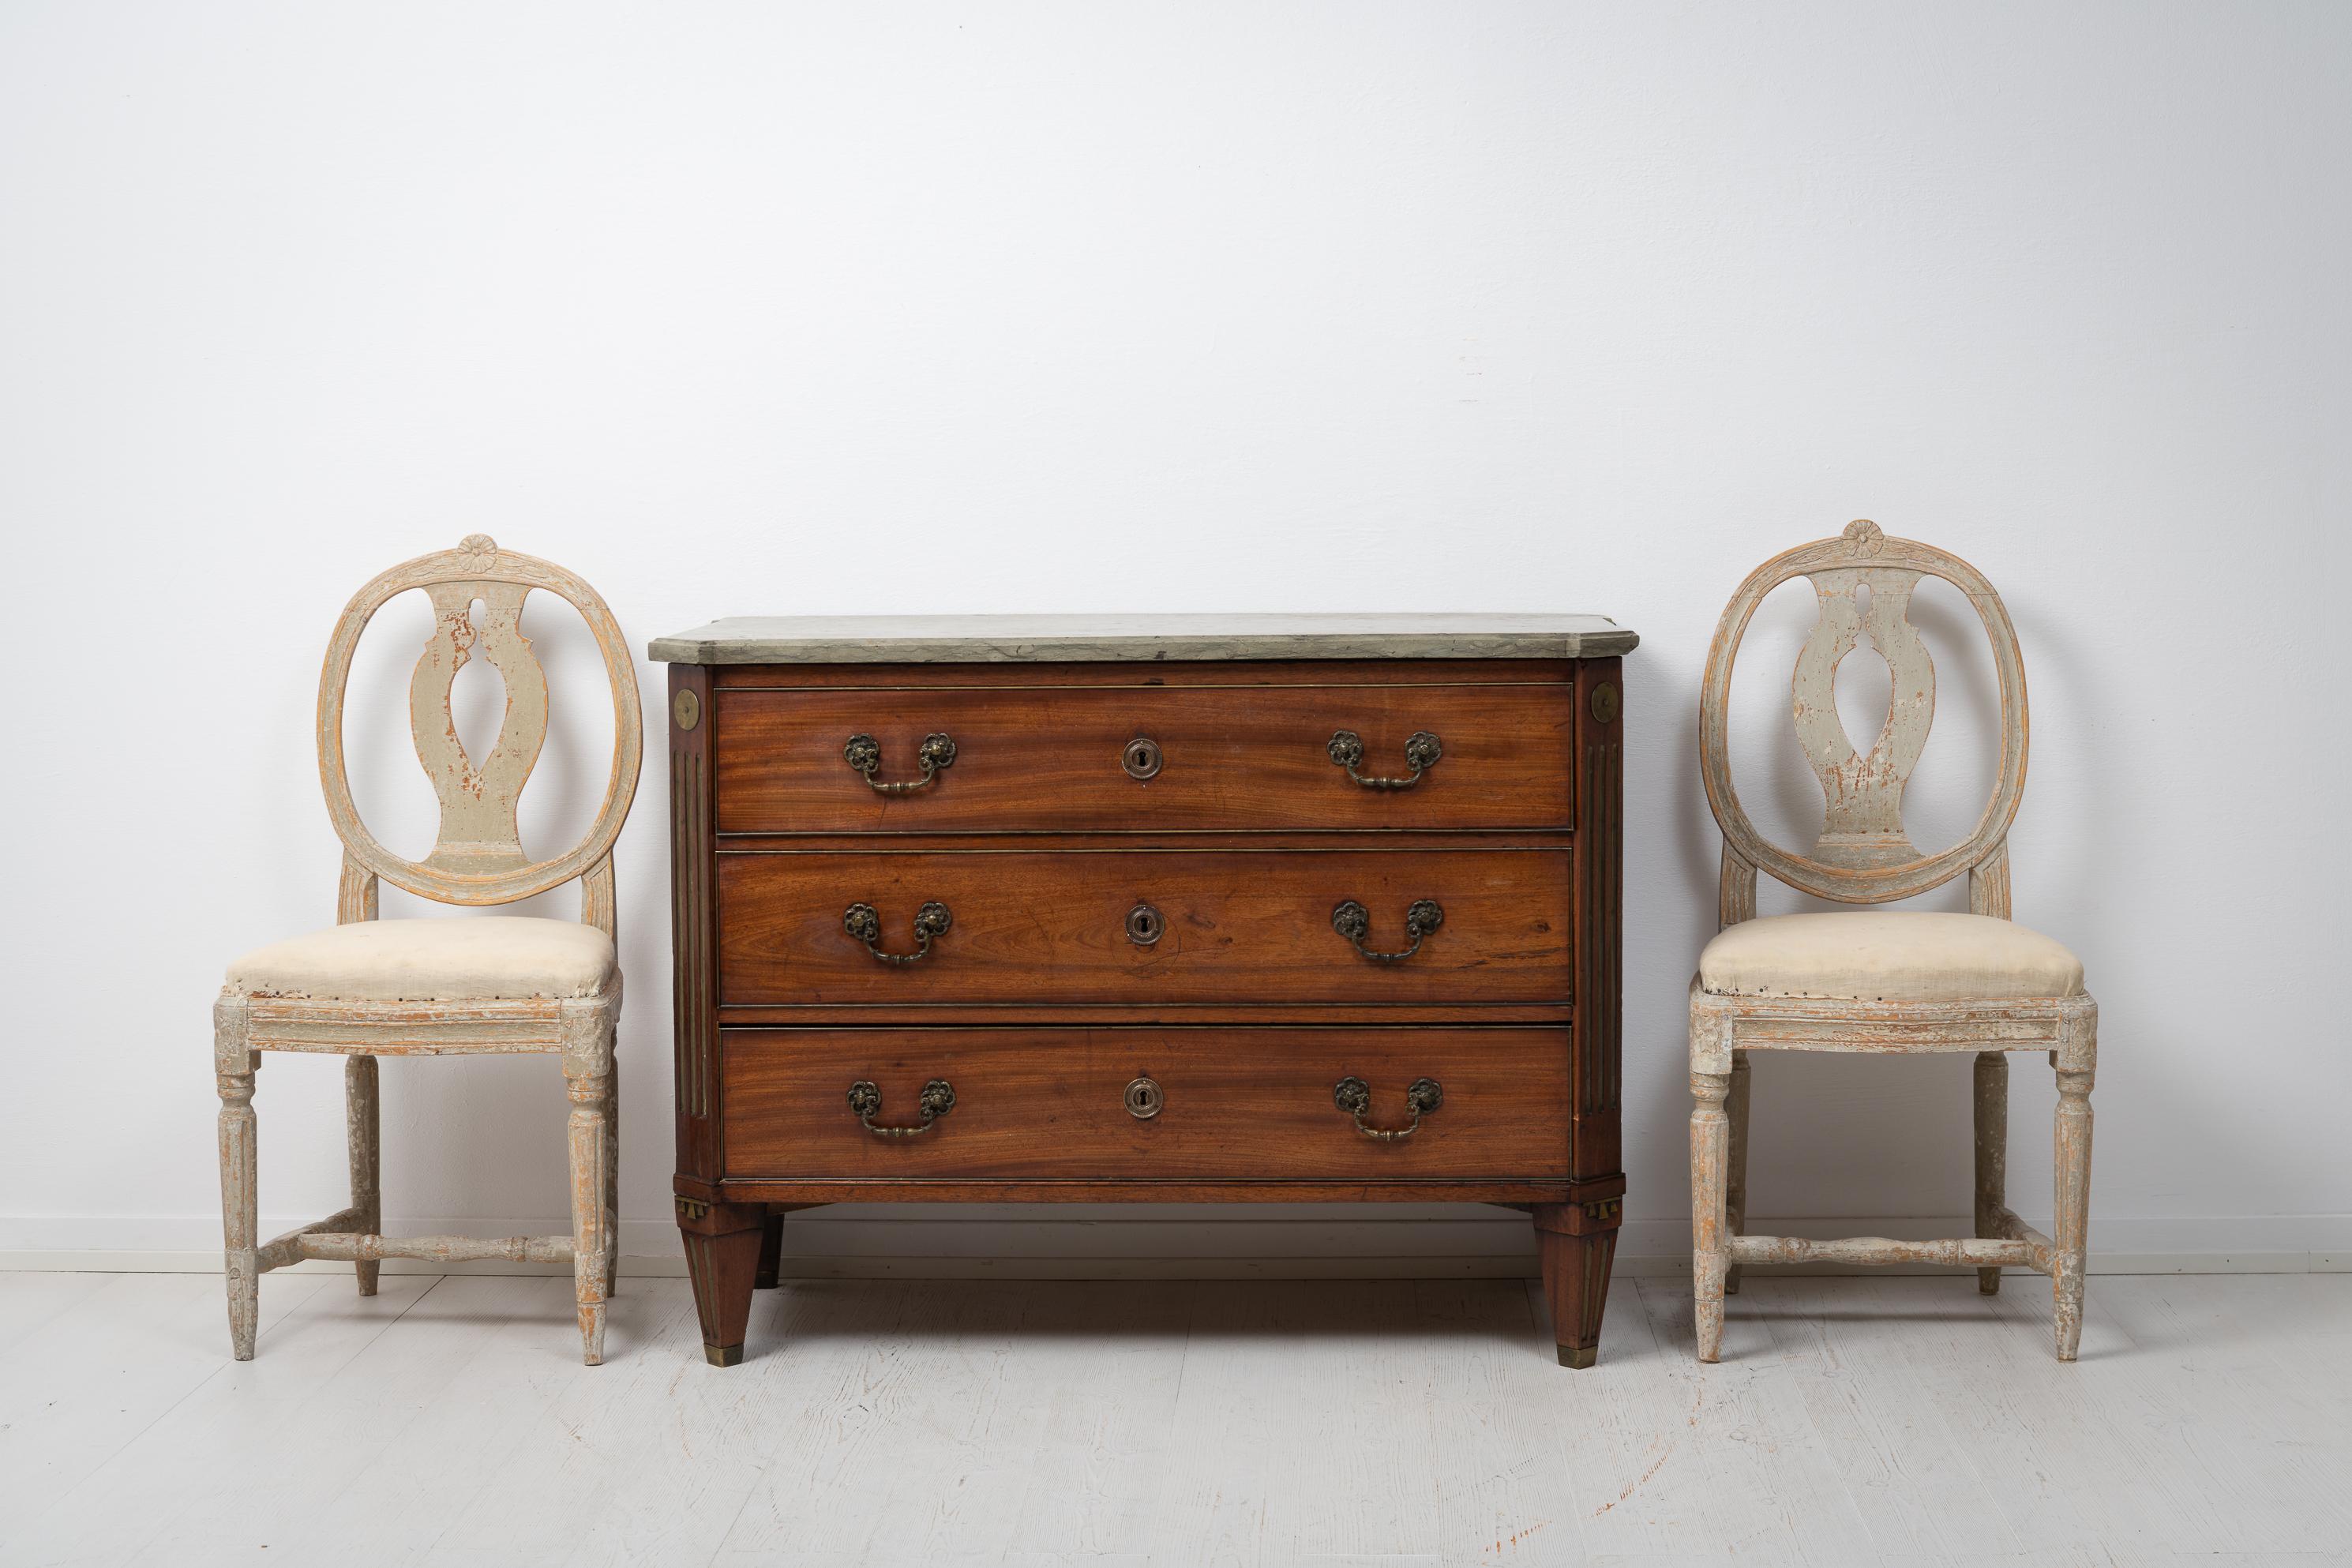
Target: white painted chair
[1880,981]
[367,989]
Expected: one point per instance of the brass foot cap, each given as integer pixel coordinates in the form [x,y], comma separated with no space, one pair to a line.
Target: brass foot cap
[723,1356]
[1569,1355]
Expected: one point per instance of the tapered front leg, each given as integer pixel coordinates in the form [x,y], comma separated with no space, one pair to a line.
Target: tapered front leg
[2073,1195]
[1992,1152]
[723,1259]
[363,1132]
[1710,1157]
[1577,1243]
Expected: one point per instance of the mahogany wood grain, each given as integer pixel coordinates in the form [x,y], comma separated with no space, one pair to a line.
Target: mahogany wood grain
[1049,927]
[694,992]
[808,1191]
[1237,1103]
[1600,902]
[1039,1007]
[1231,1010]
[1050,759]
[722,1260]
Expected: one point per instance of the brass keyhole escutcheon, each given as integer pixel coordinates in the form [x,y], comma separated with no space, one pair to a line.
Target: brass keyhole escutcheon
[687,708]
[1142,757]
[1144,1098]
[1145,925]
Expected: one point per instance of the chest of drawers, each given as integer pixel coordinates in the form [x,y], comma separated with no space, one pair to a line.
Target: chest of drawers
[1173,909]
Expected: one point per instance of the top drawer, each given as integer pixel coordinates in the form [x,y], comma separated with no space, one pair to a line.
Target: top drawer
[1150,758]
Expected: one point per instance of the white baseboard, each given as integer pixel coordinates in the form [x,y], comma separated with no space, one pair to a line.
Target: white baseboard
[1173,1241]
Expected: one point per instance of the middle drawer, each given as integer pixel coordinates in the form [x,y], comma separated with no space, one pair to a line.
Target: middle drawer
[1075,927]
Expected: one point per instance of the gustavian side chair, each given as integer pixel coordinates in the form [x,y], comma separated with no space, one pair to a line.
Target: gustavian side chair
[367,989]
[1883,981]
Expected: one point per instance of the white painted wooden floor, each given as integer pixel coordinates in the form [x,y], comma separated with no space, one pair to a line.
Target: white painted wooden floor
[1853,1420]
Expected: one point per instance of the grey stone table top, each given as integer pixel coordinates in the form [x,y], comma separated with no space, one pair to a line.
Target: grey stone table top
[1020,639]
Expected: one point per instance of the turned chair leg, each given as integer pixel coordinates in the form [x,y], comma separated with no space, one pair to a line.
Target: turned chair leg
[1710,1253]
[2074,1194]
[1735,1181]
[1992,1152]
[364,1132]
[240,1208]
[588,1080]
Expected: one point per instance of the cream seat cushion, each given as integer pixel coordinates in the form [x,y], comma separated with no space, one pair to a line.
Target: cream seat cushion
[1888,956]
[467,958]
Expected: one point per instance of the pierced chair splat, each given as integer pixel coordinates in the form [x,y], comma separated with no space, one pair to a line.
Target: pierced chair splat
[490,984]
[1880,981]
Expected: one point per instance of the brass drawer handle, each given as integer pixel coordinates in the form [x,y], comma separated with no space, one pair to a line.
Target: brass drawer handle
[1352,920]
[861,922]
[1354,1095]
[939,1099]
[1421,753]
[864,752]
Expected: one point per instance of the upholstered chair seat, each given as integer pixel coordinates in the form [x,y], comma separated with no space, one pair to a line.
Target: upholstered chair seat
[1888,956]
[476,958]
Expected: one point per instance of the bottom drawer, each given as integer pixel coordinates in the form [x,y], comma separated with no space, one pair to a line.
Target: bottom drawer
[1231,1104]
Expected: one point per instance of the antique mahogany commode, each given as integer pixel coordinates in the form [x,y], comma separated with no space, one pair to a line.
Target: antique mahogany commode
[1158,909]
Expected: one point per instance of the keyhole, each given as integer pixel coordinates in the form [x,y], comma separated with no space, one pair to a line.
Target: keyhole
[1144,925]
[1144,1098]
[477,697]
[1140,758]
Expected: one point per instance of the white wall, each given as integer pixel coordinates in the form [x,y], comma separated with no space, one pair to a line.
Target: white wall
[738,308]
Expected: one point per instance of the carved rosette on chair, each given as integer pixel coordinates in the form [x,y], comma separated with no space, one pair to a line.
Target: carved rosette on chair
[1879,982]
[367,989]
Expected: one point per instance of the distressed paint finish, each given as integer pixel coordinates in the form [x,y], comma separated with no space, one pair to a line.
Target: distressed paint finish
[2072,1188]
[364,1132]
[1862,856]
[587,1079]
[1735,1171]
[232,1065]
[1863,823]
[476,859]
[1710,1135]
